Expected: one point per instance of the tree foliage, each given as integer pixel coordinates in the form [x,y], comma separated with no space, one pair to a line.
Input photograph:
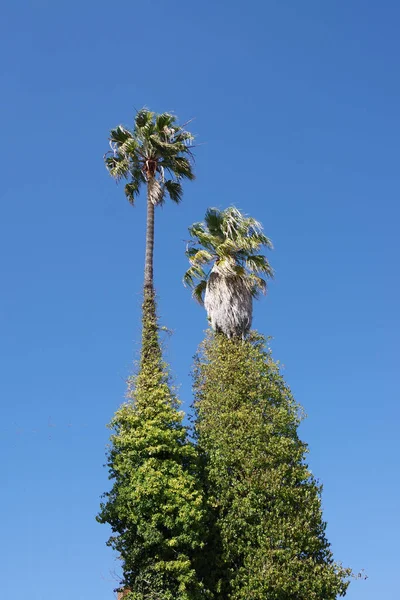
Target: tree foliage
[156,152]
[232,242]
[268,524]
[155,508]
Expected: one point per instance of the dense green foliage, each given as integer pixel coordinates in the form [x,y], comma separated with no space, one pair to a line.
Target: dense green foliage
[268,529]
[238,515]
[155,507]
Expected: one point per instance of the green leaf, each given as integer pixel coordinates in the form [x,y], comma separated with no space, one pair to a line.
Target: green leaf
[144,117]
[131,191]
[165,120]
[259,264]
[174,189]
[194,272]
[199,290]
[120,135]
[117,166]
[201,257]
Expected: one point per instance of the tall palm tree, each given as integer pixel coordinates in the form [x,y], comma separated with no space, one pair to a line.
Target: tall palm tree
[155,153]
[226,269]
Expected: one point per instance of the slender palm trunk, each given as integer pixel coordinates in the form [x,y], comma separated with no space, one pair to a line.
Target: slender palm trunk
[148,265]
[151,350]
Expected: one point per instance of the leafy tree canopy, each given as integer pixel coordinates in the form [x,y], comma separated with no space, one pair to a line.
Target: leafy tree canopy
[266,503]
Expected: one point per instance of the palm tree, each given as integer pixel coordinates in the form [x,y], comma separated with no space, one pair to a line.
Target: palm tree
[156,153]
[228,243]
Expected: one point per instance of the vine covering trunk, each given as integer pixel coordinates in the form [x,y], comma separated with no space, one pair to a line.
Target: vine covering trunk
[149,256]
[156,507]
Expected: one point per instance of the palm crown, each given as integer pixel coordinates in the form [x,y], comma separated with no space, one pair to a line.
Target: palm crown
[229,242]
[157,151]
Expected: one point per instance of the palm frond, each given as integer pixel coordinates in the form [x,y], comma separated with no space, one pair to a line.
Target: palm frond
[200,256]
[255,240]
[137,173]
[252,224]
[164,120]
[184,137]
[227,248]
[178,166]
[120,135]
[131,191]
[191,250]
[174,189]
[194,272]
[196,228]
[203,237]
[257,285]
[128,148]
[259,264]
[162,145]
[143,117]
[213,220]
[199,291]
[117,166]
[143,134]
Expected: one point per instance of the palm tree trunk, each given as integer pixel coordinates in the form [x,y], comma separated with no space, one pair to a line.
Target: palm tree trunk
[148,264]
[151,351]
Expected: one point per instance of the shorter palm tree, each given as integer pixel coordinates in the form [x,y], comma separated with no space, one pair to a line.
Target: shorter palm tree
[226,269]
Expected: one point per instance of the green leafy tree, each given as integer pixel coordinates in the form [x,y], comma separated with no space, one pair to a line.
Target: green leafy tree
[156,153]
[155,508]
[268,525]
[227,269]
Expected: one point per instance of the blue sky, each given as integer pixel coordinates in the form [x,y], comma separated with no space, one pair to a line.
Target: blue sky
[296,110]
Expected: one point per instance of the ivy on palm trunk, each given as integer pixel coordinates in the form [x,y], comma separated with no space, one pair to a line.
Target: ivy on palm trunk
[155,508]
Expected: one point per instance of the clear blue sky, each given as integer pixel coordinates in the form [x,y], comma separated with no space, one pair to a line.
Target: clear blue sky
[296,108]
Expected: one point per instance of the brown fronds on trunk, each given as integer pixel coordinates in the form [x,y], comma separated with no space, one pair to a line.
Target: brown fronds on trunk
[155,190]
[229,304]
